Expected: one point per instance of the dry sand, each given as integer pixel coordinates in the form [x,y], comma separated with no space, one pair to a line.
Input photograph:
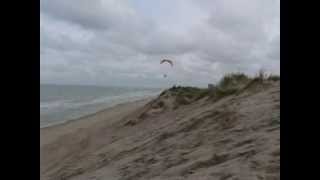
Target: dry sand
[237,137]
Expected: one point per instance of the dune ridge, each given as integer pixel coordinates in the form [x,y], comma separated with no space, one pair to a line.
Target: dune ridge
[184,133]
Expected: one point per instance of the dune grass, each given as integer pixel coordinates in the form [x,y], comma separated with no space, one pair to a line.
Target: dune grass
[229,84]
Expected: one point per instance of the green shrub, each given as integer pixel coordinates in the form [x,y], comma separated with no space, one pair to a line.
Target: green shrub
[232,80]
[233,83]
[163,92]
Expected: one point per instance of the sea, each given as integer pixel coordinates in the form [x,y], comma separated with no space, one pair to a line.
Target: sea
[61,103]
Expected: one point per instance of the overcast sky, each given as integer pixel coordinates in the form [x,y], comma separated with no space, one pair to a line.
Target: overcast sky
[121,42]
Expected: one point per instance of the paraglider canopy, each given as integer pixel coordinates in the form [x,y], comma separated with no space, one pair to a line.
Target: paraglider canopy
[166,60]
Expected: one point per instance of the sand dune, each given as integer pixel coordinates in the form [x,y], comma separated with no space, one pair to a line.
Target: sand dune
[236,137]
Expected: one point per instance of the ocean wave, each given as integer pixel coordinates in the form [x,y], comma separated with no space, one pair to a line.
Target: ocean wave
[59,105]
[53,104]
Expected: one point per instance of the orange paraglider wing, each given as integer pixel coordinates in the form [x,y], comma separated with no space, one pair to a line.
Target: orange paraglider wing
[166,60]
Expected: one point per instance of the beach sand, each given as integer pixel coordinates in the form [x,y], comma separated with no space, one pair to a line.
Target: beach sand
[237,137]
[61,141]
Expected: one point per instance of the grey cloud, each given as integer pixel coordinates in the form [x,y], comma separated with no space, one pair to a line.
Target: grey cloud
[114,42]
[90,14]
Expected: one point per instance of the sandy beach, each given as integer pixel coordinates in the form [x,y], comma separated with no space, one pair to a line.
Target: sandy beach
[237,137]
[71,135]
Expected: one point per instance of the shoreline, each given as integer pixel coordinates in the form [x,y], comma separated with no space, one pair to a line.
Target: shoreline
[64,140]
[90,115]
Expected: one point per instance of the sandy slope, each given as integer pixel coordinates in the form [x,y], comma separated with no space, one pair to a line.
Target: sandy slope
[237,137]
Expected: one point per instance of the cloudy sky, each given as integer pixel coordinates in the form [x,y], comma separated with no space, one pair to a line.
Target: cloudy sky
[121,42]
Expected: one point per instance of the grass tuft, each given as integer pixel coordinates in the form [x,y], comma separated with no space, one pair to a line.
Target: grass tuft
[233,83]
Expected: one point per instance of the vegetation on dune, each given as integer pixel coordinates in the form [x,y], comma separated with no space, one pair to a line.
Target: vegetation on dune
[233,80]
[187,95]
[233,83]
[230,84]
